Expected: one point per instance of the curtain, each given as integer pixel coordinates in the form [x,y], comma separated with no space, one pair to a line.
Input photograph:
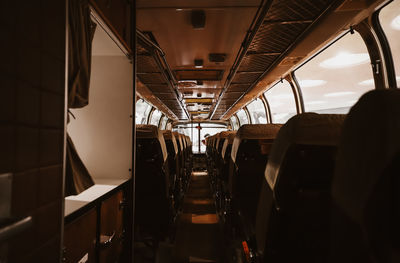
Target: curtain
[81,33]
[78,178]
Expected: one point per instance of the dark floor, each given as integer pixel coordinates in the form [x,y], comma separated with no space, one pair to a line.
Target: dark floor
[198,237]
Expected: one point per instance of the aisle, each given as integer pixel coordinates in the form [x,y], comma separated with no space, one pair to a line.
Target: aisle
[198,237]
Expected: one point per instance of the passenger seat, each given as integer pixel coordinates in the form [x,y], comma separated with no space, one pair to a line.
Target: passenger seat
[366,184]
[293,210]
[153,206]
[172,149]
[249,155]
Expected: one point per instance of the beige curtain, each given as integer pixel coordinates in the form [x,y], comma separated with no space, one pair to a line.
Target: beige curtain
[81,33]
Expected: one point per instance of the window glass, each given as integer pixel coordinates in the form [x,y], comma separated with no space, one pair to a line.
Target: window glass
[207,129]
[163,122]
[390,21]
[155,117]
[234,123]
[335,79]
[142,111]
[257,112]
[242,116]
[281,102]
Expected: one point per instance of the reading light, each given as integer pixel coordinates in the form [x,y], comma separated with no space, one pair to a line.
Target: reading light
[345,59]
[395,24]
[307,83]
[339,94]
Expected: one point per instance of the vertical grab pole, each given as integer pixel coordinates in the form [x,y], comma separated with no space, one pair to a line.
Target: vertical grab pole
[199,137]
[133,169]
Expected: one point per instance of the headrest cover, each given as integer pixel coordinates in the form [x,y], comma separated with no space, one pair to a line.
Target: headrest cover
[307,129]
[168,135]
[253,131]
[370,141]
[228,140]
[144,131]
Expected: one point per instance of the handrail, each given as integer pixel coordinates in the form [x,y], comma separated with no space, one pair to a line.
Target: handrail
[164,67]
[14,228]
[251,33]
[284,53]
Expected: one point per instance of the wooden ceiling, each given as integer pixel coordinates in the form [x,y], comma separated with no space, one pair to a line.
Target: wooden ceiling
[226,24]
[283,25]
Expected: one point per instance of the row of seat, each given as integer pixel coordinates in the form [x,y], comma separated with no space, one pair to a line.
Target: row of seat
[163,167]
[320,188]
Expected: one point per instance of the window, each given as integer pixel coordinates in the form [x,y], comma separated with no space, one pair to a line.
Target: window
[142,111]
[335,79]
[163,122]
[235,124]
[155,117]
[257,112]
[242,116]
[390,21]
[281,102]
[207,129]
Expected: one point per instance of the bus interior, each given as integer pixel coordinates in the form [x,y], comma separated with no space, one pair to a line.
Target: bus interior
[241,131]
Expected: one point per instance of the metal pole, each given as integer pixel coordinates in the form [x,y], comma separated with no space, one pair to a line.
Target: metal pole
[199,136]
[133,171]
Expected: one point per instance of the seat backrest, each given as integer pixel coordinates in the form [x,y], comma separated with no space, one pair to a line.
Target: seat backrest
[249,155]
[170,142]
[366,183]
[222,136]
[178,139]
[299,173]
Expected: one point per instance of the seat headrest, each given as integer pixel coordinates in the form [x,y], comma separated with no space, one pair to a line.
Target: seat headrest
[306,129]
[178,138]
[146,131]
[168,135]
[253,132]
[228,141]
[369,143]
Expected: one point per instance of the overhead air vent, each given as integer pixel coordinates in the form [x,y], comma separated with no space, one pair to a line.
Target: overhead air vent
[198,19]
[216,57]
[198,63]
[188,93]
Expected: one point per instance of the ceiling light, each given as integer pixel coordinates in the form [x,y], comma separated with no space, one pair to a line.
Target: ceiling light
[307,83]
[395,24]
[179,9]
[345,59]
[339,94]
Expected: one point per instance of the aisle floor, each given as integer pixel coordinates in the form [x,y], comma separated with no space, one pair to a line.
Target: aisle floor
[198,237]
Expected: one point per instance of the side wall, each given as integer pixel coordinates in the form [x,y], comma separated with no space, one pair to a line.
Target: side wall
[32,91]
